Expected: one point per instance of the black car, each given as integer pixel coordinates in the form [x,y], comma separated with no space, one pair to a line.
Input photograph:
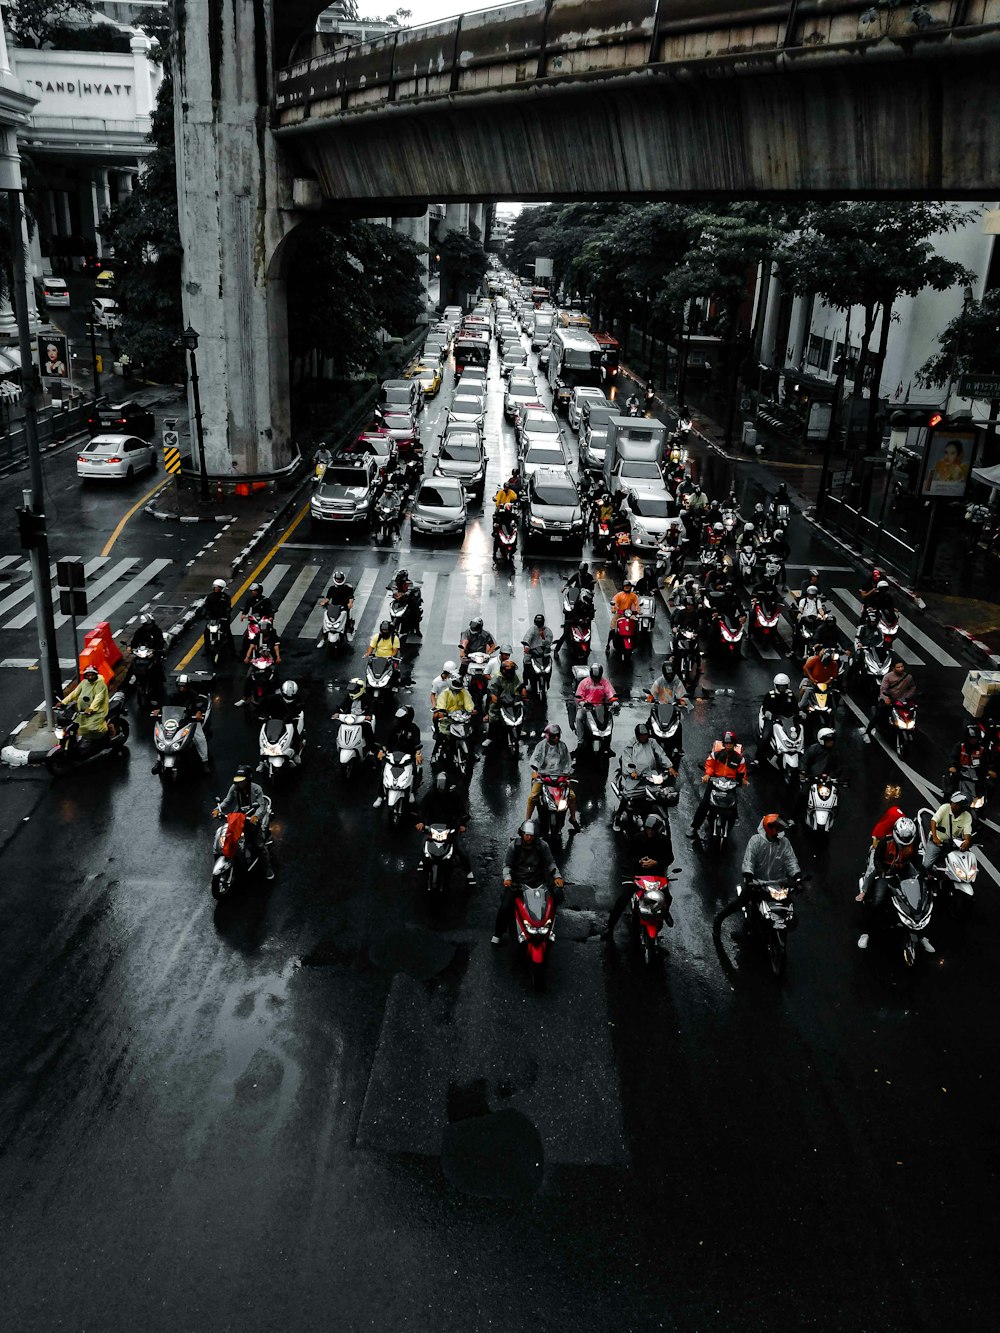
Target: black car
[121,419]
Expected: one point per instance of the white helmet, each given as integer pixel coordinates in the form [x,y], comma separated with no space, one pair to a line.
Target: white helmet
[749,527]
[904,831]
[812,590]
[289,690]
[450,667]
[825,734]
[781,681]
[219,585]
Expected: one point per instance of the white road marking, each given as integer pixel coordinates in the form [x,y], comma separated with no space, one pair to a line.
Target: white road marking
[912,658]
[124,594]
[295,594]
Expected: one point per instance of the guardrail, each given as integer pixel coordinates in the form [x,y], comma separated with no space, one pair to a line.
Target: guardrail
[868,535]
[54,426]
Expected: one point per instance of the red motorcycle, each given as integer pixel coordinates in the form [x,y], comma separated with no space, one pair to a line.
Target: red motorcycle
[236,855]
[263,677]
[649,909]
[764,619]
[534,926]
[553,805]
[902,724]
[623,636]
[580,639]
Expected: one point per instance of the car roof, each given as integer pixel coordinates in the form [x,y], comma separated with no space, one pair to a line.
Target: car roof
[443,483]
[52,280]
[552,473]
[116,407]
[539,413]
[115,441]
[105,300]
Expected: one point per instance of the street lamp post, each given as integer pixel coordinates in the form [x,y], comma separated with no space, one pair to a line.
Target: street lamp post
[92,330]
[189,341]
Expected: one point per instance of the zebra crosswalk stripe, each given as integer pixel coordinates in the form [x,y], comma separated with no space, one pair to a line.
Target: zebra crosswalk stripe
[913,658]
[300,586]
[28,614]
[95,589]
[108,608]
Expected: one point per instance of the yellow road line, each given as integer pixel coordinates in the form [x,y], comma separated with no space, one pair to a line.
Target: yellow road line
[251,578]
[138,504]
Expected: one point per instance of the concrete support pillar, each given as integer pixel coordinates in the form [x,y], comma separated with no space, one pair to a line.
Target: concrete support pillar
[418,230]
[456,218]
[477,220]
[798,334]
[142,74]
[231,226]
[124,184]
[769,354]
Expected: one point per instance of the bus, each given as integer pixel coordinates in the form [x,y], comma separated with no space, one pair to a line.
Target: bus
[574,360]
[610,353]
[574,319]
[471,349]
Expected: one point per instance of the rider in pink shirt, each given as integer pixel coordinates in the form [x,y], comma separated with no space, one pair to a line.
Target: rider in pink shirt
[594,689]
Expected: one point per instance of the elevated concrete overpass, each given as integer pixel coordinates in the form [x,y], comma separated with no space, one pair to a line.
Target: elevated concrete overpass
[542,99]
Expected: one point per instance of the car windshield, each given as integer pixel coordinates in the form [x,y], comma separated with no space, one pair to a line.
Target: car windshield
[460,451]
[438,497]
[650,506]
[467,406]
[542,426]
[598,413]
[100,447]
[398,421]
[344,476]
[555,493]
[632,468]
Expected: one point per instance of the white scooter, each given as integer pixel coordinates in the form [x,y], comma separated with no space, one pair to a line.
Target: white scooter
[281,744]
[351,744]
[955,870]
[647,614]
[788,743]
[335,631]
[821,804]
[398,774]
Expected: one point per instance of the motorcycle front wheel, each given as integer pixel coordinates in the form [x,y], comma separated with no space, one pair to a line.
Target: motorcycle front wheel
[222,883]
[776,952]
[909,952]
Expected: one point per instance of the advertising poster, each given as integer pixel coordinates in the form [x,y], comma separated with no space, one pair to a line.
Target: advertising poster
[53,357]
[948,460]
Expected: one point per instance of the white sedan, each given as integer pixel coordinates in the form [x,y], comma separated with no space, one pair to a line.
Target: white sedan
[111,457]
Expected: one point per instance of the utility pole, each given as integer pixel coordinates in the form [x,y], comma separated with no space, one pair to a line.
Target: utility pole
[38,552]
[92,330]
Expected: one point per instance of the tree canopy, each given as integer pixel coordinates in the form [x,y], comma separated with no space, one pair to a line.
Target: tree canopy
[969,345]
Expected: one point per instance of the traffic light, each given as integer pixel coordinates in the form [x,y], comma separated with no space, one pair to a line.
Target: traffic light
[934,420]
[30,527]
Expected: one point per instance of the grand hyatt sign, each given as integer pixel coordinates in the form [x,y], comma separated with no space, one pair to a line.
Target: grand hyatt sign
[98,86]
[81,88]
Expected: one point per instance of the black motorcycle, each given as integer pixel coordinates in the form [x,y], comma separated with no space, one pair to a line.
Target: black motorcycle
[72,750]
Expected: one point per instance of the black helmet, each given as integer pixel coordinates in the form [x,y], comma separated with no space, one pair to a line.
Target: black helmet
[385,628]
[596,671]
[539,620]
[243,773]
[404,714]
[476,624]
[642,731]
[667,671]
[584,567]
[402,574]
[338,576]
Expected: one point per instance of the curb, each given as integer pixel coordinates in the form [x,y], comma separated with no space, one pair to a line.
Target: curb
[963,636]
[49,448]
[153,512]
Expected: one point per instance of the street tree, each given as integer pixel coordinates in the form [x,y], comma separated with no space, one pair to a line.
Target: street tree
[869,254]
[33,22]
[463,265]
[969,345]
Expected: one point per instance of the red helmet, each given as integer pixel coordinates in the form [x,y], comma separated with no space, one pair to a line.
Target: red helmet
[729,738]
[876,575]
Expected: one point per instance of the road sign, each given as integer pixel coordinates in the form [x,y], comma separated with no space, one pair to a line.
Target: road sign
[72,602]
[69,572]
[979,386]
[171,446]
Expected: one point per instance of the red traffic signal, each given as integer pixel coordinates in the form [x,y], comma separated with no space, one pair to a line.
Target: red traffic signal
[935,419]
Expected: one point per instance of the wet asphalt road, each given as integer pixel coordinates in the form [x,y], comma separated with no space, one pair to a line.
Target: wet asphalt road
[234,1118]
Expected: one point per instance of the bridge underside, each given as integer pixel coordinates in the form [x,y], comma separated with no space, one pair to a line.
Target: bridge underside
[906,129]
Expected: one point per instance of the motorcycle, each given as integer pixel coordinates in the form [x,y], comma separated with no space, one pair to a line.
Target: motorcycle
[72,751]
[511,714]
[580,637]
[405,611]
[456,743]
[728,635]
[388,515]
[594,724]
[281,744]
[647,614]
[730,521]
[263,678]
[819,709]
[236,855]
[779,514]
[216,641]
[872,664]
[621,545]
[553,805]
[787,746]
[623,636]
[381,680]
[506,541]
[746,559]
[913,904]
[534,926]
[398,776]
[721,814]
[764,617]
[955,871]
[632,406]
[477,680]
[173,738]
[769,910]
[352,745]
[335,631]
[323,461]
[821,804]
[665,724]
[653,793]
[888,624]
[146,675]
[647,912]
[902,724]
[687,656]
[537,674]
[974,782]
[439,856]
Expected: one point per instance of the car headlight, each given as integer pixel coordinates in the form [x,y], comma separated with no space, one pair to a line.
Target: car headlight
[537,522]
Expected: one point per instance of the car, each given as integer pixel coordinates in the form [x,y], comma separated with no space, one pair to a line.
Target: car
[651,514]
[553,513]
[467,408]
[377,443]
[580,395]
[636,475]
[109,457]
[105,281]
[400,429]
[128,418]
[439,507]
[105,312]
[521,390]
[428,376]
[435,351]
[472,380]
[55,292]
[542,455]
[594,433]
[444,328]
[539,426]
[402,393]
[462,455]
[514,356]
[346,495]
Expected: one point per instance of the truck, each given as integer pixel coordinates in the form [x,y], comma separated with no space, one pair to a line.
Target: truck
[638,441]
[544,320]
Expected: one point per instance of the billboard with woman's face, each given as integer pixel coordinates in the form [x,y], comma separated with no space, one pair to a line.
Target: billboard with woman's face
[53,356]
[948,461]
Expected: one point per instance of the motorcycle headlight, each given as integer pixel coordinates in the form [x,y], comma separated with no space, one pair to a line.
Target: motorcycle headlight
[778,892]
[979,802]
[180,738]
[271,748]
[439,835]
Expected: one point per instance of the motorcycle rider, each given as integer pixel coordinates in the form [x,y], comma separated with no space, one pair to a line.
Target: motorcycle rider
[889,855]
[624,603]
[476,640]
[821,759]
[248,797]
[769,855]
[195,706]
[551,759]
[258,607]
[898,686]
[404,735]
[355,703]
[819,670]
[593,689]
[452,698]
[537,642]
[445,803]
[218,606]
[810,612]
[972,758]
[505,686]
[448,672]
[528,860]
[725,761]
[384,642]
[686,616]
[645,585]
[285,705]
[506,496]
[91,699]
[580,613]
[651,855]
[340,593]
[642,755]
[149,635]
[403,590]
[950,820]
[781,704]
[778,549]
[582,578]
[877,593]
[505,519]
[668,688]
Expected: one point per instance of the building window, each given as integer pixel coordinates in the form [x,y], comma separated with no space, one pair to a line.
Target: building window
[818,354]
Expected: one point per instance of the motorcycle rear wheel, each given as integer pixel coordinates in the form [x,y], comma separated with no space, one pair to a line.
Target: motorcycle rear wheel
[58,763]
[776,952]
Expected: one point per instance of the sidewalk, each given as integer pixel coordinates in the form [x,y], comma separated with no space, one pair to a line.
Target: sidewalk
[974,620]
